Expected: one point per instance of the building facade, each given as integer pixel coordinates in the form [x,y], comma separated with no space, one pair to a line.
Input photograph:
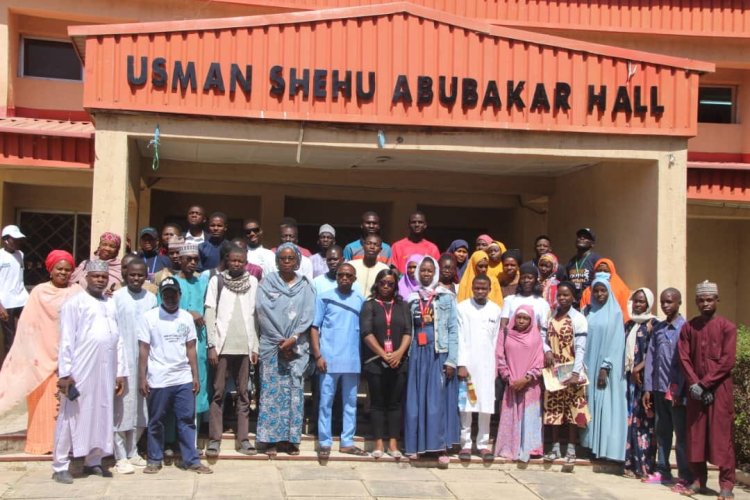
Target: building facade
[504,116]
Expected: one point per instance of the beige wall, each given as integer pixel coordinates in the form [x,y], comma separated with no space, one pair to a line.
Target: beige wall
[50,18]
[619,202]
[717,251]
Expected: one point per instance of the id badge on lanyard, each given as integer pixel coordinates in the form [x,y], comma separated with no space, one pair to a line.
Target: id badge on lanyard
[424,310]
[387,343]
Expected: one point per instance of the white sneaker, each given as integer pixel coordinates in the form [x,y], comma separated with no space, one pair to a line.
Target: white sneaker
[138,461]
[124,467]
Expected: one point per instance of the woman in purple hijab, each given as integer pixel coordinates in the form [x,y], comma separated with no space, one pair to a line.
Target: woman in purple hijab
[409,281]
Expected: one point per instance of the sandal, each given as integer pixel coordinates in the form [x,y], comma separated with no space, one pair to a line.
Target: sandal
[443,461]
[292,449]
[627,473]
[377,454]
[464,455]
[552,456]
[212,451]
[725,495]
[324,452]
[570,459]
[271,450]
[353,450]
[394,454]
[692,490]
[487,455]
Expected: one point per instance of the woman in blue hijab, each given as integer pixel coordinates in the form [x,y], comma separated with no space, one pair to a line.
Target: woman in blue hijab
[605,353]
[285,307]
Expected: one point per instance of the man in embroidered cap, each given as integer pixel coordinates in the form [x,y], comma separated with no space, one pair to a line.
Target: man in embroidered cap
[707,349]
[326,239]
[92,368]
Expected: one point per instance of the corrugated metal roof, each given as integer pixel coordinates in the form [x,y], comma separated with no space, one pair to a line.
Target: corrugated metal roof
[46,150]
[388,40]
[719,182]
[59,128]
[715,18]
[480,27]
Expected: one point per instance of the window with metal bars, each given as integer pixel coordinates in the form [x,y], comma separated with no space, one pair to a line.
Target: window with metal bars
[47,231]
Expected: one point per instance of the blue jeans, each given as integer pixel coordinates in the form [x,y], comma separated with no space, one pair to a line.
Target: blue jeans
[670,419]
[328,383]
[181,400]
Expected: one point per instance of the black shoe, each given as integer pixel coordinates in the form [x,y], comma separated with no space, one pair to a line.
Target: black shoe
[96,470]
[63,477]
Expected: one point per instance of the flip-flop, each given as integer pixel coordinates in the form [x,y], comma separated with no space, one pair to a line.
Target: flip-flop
[377,454]
[394,454]
[464,455]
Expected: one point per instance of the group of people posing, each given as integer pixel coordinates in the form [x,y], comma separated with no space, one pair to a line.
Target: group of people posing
[438,338]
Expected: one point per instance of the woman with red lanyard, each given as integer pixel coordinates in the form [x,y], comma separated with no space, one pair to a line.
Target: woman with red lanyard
[432,421]
[385,326]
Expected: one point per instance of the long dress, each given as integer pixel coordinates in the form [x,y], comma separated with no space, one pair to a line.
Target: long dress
[130,408]
[566,406]
[30,369]
[640,447]
[91,352]
[431,409]
[283,311]
[708,352]
[519,433]
[605,348]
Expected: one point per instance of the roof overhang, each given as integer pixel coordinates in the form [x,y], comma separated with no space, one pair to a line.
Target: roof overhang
[504,78]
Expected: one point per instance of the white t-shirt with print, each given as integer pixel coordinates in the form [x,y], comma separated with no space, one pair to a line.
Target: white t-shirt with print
[167,335]
[12,292]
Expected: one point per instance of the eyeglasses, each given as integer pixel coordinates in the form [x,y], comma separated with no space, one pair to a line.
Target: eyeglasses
[251,230]
[388,284]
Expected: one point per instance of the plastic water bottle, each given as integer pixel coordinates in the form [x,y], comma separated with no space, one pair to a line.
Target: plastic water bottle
[471,392]
[462,394]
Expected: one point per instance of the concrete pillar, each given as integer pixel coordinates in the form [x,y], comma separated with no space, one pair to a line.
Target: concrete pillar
[671,235]
[5,76]
[111,191]
[271,213]
[144,208]
[5,216]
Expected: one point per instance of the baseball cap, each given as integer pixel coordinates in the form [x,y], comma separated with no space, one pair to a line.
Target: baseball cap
[587,231]
[13,232]
[169,283]
[151,231]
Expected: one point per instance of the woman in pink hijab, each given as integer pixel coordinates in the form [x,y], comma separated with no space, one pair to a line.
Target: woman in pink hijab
[520,360]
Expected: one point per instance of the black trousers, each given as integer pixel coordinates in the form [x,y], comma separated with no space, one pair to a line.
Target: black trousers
[386,393]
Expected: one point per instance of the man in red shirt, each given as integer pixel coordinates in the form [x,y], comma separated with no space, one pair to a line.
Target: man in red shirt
[415,243]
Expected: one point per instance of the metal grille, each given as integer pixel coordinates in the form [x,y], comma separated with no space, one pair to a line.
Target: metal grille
[48,231]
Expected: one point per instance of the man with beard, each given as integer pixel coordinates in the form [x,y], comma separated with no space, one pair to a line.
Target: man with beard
[92,368]
[232,345]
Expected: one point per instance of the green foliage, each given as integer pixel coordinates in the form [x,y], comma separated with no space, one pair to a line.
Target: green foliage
[742,397]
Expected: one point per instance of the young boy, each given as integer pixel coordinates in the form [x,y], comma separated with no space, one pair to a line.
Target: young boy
[478,328]
[168,376]
[130,415]
[664,391]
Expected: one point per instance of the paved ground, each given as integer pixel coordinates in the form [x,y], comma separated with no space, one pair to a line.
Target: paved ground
[299,480]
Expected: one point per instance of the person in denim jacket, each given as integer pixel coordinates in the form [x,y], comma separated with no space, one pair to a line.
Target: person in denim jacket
[432,420]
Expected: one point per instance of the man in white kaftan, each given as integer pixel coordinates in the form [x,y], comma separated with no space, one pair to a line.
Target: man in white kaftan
[478,328]
[91,364]
[130,412]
